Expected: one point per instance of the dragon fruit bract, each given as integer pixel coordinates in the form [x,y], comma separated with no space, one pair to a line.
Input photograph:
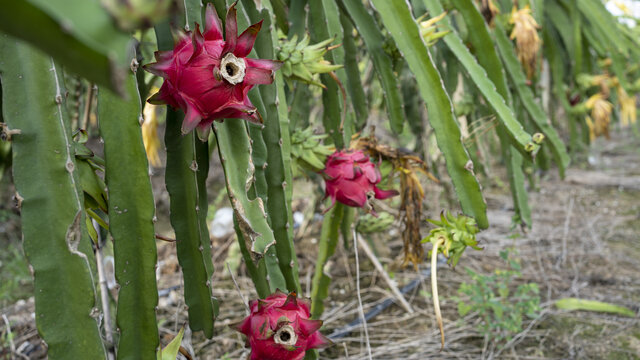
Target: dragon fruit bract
[351,178]
[279,328]
[208,77]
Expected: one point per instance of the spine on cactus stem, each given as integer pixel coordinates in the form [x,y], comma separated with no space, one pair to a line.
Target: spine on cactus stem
[186,172]
[55,238]
[131,213]
[192,14]
[277,139]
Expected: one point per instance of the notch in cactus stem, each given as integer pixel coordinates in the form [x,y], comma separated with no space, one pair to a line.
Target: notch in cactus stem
[434,288]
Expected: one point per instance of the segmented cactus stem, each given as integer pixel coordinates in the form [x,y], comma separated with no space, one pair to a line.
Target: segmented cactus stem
[55,238]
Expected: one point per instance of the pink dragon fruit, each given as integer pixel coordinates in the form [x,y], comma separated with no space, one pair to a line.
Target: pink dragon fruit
[208,77]
[279,328]
[351,178]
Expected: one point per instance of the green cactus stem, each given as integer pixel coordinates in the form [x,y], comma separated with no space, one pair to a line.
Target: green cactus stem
[67,30]
[186,173]
[131,214]
[50,198]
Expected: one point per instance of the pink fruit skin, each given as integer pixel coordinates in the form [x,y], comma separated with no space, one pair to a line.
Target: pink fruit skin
[268,319]
[192,74]
[351,178]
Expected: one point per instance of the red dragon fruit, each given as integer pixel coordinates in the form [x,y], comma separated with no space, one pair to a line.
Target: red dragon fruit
[351,178]
[208,76]
[279,328]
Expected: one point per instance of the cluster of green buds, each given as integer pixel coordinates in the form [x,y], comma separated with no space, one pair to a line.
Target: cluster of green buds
[369,224]
[452,236]
[534,145]
[429,30]
[136,14]
[308,152]
[302,62]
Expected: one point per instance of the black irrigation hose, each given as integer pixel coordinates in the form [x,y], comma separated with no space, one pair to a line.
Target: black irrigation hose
[340,333]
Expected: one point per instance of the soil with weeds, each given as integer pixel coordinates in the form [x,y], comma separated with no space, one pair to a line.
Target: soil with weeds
[585,243]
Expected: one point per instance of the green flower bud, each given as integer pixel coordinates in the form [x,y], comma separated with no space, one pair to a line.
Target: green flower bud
[531,147]
[428,29]
[307,151]
[302,61]
[538,138]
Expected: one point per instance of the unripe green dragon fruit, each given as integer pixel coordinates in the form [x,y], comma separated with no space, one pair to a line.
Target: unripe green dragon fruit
[302,61]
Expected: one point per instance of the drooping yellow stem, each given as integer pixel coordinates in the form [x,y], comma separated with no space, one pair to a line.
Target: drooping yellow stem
[434,289]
